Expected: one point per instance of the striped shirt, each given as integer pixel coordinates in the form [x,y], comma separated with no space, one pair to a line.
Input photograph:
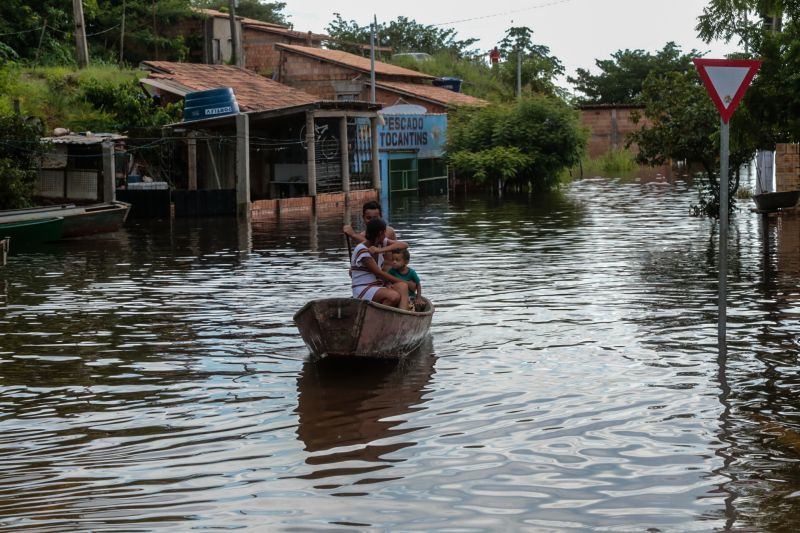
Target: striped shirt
[362,278]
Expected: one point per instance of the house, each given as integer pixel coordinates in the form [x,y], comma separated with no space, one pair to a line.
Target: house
[413,127]
[338,75]
[284,150]
[257,40]
[79,167]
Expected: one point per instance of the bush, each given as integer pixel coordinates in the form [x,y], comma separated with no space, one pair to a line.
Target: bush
[20,149]
[527,143]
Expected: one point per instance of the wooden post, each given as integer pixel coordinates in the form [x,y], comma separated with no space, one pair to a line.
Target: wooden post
[4,246]
[311,156]
[345,151]
[109,172]
[122,34]
[191,157]
[80,34]
[242,164]
[376,163]
[236,51]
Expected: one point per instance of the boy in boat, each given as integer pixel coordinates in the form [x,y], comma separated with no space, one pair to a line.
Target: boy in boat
[369,280]
[401,270]
[369,211]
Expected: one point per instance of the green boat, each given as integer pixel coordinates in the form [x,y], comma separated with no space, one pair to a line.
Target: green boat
[78,220]
[32,231]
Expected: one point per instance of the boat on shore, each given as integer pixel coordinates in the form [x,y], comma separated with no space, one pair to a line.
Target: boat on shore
[78,220]
[28,232]
[349,327]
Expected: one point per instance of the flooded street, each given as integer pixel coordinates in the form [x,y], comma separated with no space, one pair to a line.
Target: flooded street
[153,378]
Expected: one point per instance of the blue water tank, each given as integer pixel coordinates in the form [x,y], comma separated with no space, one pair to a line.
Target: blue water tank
[211,103]
[453,84]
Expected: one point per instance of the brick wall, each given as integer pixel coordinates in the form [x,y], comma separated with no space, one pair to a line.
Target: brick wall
[609,127]
[260,52]
[787,167]
[303,205]
[388,98]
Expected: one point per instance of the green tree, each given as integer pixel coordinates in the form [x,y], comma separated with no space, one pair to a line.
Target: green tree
[539,68]
[19,152]
[525,143]
[402,35]
[621,77]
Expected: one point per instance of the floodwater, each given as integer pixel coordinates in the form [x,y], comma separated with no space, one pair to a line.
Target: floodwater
[153,379]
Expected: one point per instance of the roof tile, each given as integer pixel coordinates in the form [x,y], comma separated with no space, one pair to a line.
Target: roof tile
[353,61]
[431,92]
[253,92]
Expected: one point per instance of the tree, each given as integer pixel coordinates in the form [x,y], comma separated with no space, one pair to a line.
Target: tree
[525,143]
[402,35]
[683,125]
[621,77]
[19,152]
[539,68]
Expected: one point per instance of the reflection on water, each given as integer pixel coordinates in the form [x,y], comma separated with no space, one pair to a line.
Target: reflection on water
[153,378]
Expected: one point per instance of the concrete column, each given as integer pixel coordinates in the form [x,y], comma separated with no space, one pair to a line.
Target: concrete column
[242,165]
[614,130]
[376,164]
[191,157]
[109,172]
[311,155]
[344,150]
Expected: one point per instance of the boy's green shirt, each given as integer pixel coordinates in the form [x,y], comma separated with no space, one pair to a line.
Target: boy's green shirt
[411,275]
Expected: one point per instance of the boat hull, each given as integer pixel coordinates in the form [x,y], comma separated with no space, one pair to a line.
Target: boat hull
[78,220]
[32,232]
[348,327]
[773,201]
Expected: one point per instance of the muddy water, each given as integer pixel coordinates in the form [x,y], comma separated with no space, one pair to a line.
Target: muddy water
[153,378]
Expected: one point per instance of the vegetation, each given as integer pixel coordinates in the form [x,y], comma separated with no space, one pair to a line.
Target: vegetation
[254,9]
[621,77]
[612,162]
[478,78]
[19,152]
[526,144]
[539,69]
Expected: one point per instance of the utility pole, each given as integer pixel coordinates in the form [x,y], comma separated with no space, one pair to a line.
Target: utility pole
[519,74]
[80,34]
[122,33]
[234,34]
[372,59]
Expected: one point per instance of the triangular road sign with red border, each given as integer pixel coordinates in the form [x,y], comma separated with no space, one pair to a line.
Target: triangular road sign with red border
[726,81]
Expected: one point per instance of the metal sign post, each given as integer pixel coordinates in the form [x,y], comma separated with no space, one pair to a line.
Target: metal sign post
[726,81]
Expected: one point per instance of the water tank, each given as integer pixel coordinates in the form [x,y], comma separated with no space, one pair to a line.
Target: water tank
[211,103]
[454,84]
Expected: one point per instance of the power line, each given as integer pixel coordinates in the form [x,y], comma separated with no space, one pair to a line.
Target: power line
[548,4]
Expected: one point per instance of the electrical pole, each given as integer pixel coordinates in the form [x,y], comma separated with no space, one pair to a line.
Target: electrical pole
[122,33]
[234,34]
[372,59]
[80,34]
[519,74]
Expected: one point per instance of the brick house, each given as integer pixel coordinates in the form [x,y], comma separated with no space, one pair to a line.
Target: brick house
[264,153]
[338,75]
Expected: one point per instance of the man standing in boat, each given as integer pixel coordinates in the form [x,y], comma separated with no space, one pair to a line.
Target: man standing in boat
[371,210]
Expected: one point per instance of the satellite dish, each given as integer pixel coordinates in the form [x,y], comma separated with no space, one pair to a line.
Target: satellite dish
[403,109]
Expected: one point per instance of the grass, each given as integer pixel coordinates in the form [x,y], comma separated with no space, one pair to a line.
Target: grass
[54,94]
[612,162]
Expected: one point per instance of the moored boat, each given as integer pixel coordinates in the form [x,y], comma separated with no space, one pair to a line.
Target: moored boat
[773,201]
[29,232]
[78,220]
[347,327]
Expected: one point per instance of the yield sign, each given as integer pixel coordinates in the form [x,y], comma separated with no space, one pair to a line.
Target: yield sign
[726,81]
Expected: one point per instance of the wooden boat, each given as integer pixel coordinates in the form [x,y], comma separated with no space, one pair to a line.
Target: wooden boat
[29,232]
[342,327]
[773,201]
[78,220]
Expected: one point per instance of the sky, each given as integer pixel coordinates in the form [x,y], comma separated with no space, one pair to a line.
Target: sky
[576,31]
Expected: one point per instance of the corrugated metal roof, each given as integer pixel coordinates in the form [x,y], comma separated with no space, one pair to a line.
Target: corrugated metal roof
[353,61]
[87,138]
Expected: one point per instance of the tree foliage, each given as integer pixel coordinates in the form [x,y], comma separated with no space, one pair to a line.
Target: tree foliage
[528,142]
[539,68]
[19,151]
[621,77]
[402,35]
